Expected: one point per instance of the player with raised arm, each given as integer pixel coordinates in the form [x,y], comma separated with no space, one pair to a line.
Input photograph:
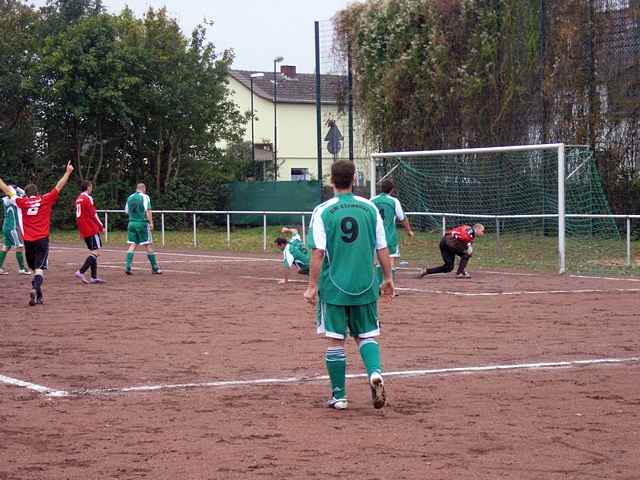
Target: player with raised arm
[391,211]
[35,211]
[11,234]
[90,227]
[138,208]
[345,235]
[457,241]
[295,254]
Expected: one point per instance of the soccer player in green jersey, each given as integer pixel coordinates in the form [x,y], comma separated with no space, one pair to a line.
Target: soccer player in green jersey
[345,235]
[295,254]
[138,208]
[390,211]
[11,234]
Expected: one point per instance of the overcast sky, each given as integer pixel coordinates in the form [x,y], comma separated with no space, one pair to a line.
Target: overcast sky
[257,30]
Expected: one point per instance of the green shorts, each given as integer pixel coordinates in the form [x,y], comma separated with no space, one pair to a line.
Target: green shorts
[12,238]
[139,233]
[361,320]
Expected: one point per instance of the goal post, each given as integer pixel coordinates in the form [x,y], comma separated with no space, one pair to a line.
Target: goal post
[523,190]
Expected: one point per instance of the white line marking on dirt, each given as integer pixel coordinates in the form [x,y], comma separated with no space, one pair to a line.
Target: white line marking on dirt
[401,374]
[33,386]
[523,292]
[271,279]
[618,279]
[483,294]
[246,259]
[136,269]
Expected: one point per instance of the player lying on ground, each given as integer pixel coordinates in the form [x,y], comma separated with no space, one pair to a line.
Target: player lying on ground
[391,211]
[345,235]
[90,228]
[295,255]
[457,241]
[11,232]
[36,221]
[138,208]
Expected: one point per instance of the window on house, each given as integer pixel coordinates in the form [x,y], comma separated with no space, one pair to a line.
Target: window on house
[300,174]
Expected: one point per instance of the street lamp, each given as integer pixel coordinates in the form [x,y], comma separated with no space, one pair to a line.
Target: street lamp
[253,144]
[275,118]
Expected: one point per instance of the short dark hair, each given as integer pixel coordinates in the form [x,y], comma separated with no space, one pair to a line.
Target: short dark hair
[342,173]
[280,241]
[84,185]
[387,186]
[31,190]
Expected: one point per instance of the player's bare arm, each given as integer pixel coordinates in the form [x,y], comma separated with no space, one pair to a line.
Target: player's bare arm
[285,280]
[65,178]
[407,226]
[387,286]
[149,215]
[6,189]
[292,231]
[317,257]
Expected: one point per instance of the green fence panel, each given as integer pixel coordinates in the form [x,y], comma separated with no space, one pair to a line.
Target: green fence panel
[273,196]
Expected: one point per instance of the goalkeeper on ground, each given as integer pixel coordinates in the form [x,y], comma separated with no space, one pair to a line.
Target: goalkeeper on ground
[457,241]
[294,253]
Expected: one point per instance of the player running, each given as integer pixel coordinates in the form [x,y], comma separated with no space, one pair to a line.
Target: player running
[295,254]
[138,208]
[390,211]
[11,233]
[35,211]
[345,234]
[90,228]
[456,241]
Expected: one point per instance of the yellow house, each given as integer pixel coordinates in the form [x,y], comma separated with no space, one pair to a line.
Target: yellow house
[295,120]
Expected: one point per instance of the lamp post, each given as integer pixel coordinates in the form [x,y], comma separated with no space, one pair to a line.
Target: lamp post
[275,118]
[253,143]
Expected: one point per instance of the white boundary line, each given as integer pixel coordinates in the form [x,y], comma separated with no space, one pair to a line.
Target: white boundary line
[618,279]
[485,294]
[319,378]
[193,255]
[521,292]
[138,269]
[33,386]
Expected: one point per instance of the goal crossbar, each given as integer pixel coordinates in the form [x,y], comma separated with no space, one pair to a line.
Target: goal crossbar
[558,147]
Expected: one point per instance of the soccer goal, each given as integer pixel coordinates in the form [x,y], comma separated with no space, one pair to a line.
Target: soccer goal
[526,196]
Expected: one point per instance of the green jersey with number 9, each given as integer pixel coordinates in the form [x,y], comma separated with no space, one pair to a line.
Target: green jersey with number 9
[349,229]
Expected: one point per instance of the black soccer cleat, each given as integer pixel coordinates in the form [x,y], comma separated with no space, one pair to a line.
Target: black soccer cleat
[128,272]
[378,394]
[32,297]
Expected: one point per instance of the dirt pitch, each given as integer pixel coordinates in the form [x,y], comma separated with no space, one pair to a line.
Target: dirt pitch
[466,398]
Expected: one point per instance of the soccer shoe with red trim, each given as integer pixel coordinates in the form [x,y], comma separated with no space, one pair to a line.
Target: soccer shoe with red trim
[338,403]
[81,277]
[378,394]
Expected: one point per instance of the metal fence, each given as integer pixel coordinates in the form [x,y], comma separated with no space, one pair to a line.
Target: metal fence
[304,217]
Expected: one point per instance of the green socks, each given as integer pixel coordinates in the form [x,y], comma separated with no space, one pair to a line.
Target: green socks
[370,353]
[129,261]
[153,261]
[19,258]
[2,257]
[336,363]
